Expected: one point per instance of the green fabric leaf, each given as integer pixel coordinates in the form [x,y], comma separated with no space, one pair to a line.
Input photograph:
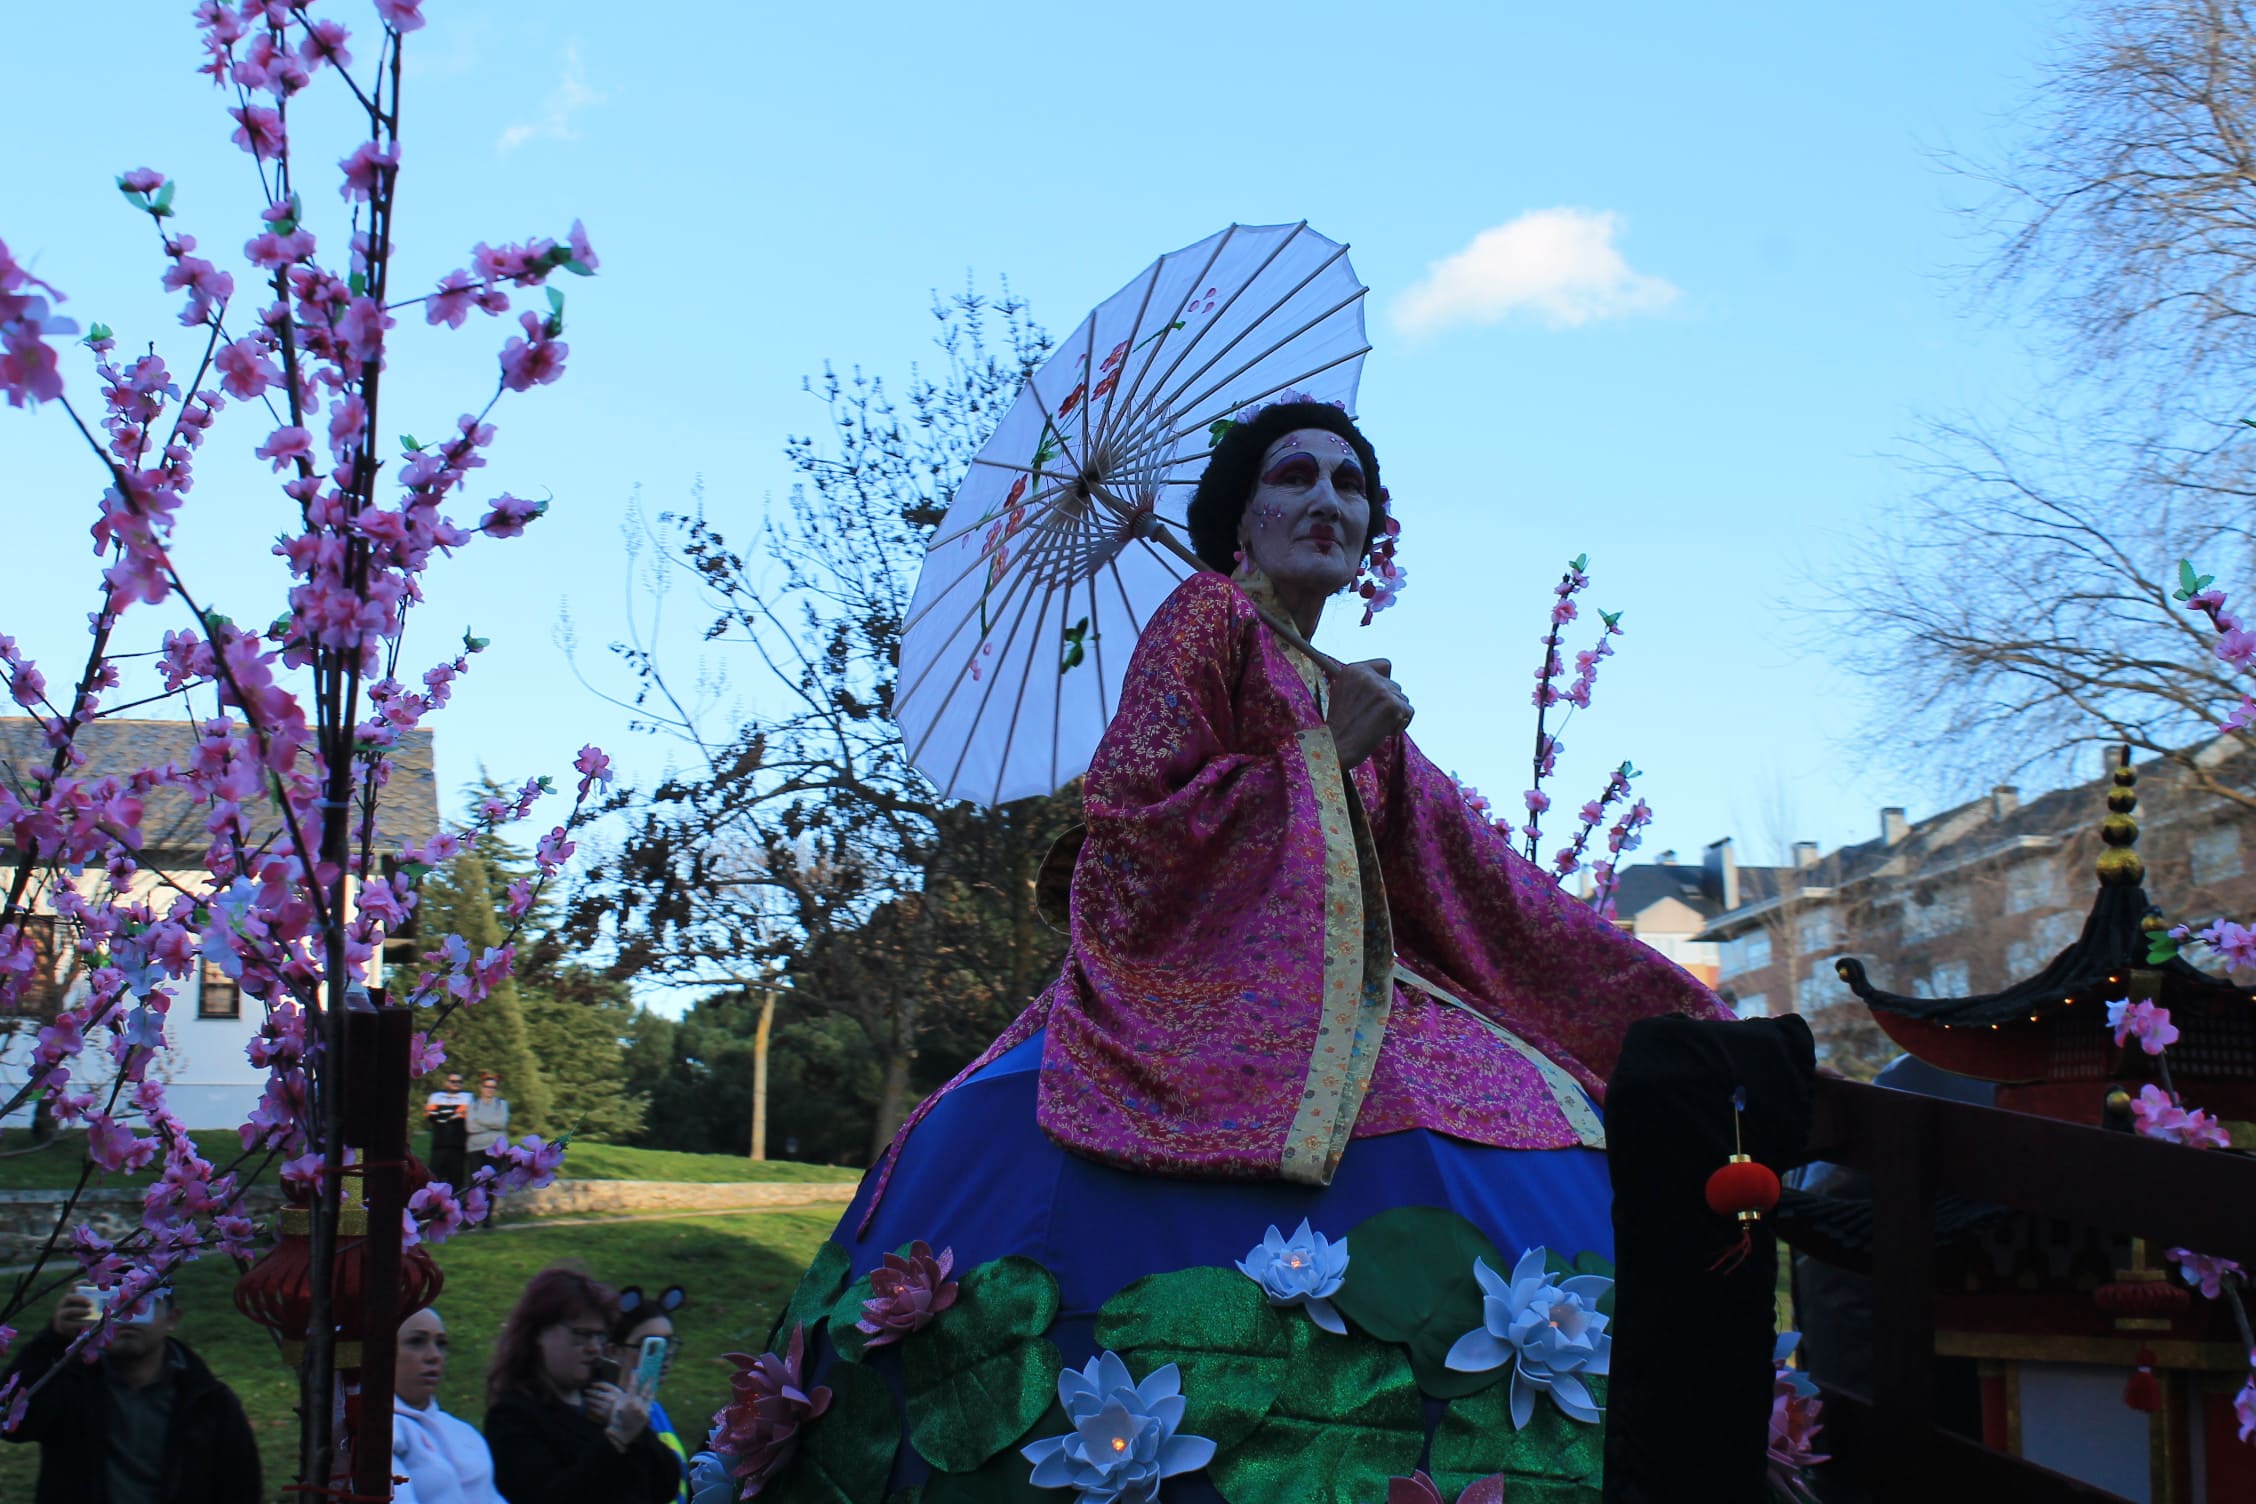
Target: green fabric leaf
[846,1456]
[1557,1458]
[981,1374]
[1347,1419]
[818,1291]
[1410,1280]
[1006,1477]
[1216,1325]
[845,1340]
[961,1413]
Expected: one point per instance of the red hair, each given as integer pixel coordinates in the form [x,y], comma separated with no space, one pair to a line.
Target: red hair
[552,1297]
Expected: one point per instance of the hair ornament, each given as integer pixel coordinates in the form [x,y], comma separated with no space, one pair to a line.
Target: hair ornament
[1379,579]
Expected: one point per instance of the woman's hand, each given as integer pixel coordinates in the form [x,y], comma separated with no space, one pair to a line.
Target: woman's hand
[1366,707]
[599,1402]
[630,1413]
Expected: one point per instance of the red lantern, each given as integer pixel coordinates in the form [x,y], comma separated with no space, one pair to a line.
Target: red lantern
[1742,1188]
[2143,1391]
[277,1291]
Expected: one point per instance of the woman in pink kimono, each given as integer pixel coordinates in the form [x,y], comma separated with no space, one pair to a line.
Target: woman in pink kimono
[1307,982]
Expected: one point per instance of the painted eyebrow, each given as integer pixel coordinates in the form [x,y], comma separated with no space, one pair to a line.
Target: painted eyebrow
[1286,459]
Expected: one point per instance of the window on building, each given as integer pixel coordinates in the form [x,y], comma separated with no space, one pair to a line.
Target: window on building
[1948,979]
[1745,953]
[220,995]
[2215,855]
[38,996]
[1822,988]
[1944,912]
[1753,1006]
[1817,929]
[2033,885]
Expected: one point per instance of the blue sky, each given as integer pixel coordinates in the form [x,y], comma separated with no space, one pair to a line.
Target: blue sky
[772,187]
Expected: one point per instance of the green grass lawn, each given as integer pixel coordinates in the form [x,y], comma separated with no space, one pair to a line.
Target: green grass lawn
[616,1162]
[737,1270]
[56,1166]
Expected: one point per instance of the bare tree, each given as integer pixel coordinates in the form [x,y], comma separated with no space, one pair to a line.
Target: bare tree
[797,834]
[2020,607]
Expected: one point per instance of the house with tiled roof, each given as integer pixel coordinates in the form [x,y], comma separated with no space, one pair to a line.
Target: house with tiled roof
[211,1082]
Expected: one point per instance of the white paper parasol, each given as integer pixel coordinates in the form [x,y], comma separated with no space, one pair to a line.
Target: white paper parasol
[1061,540]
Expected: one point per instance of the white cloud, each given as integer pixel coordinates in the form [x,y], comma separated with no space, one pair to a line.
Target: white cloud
[554,123]
[1560,264]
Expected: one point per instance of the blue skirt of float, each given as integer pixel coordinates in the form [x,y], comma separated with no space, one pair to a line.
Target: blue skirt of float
[979,1176]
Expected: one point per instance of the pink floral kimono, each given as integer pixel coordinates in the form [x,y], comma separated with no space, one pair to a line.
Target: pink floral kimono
[1272,958]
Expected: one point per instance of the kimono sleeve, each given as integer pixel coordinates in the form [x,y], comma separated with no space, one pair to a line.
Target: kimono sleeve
[1188,797]
[1526,952]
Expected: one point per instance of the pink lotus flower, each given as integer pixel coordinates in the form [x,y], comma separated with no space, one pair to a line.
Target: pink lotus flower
[1420,1489]
[759,1427]
[907,1293]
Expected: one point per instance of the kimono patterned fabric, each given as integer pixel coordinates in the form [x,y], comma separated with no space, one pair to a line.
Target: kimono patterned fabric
[1292,991]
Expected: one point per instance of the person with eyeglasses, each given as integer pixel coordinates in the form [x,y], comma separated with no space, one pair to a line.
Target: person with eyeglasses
[560,1429]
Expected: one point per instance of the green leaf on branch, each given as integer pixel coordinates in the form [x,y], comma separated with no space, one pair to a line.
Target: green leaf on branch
[161,205]
[473,644]
[96,334]
[1579,563]
[408,444]
[1220,1330]
[358,283]
[2161,946]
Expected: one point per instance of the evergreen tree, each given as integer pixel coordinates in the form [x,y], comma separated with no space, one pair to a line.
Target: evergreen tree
[578,1021]
[464,900]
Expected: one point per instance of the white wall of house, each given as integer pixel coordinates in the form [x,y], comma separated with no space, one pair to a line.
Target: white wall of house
[210,1082]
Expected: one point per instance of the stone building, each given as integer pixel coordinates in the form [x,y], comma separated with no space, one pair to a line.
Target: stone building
[1977,896]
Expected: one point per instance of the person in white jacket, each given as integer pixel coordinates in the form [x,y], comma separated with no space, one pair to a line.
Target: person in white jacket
[443,1459]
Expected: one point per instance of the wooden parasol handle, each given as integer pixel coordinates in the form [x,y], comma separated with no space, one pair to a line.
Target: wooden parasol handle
[1164,535]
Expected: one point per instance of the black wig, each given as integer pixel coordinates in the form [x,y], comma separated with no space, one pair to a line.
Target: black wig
[1230,475]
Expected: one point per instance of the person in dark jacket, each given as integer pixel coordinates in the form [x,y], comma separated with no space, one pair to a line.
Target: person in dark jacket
[559,1433]
[146,1423]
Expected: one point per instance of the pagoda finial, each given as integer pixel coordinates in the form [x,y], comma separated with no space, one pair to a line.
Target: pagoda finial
[2119,865]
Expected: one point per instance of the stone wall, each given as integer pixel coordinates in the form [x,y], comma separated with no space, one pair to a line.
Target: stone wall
[27,1217]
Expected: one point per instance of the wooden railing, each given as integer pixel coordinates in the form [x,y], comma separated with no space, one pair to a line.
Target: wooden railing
[1916,1148]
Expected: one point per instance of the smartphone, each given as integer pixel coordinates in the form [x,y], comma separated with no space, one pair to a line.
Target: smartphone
[651,1364]
[96,1294]
[606,1371]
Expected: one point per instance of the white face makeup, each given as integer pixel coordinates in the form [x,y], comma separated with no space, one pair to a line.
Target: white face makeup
[1304,526]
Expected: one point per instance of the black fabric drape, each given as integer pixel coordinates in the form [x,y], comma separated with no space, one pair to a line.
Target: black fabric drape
[1688,1400]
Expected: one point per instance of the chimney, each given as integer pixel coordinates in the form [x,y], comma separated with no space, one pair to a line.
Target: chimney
[2004,800]
[1720,873]
[1893,826]
[1668,857]
[1805,855]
